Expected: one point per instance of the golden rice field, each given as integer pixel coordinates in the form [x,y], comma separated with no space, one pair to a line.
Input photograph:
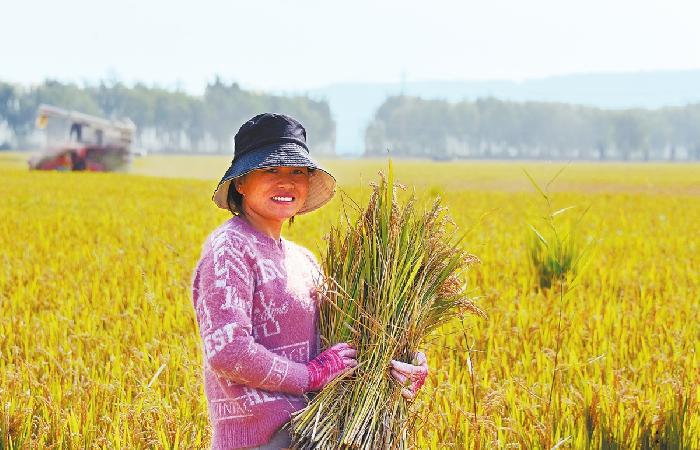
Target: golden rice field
[99,346]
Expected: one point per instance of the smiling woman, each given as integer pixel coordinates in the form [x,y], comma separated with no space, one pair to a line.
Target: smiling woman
[256,294]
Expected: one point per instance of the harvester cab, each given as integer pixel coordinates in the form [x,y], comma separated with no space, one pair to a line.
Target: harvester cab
[78,141]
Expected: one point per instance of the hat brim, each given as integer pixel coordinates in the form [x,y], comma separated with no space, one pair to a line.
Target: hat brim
[321,182]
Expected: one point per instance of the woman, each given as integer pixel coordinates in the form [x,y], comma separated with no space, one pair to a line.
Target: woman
[254,293]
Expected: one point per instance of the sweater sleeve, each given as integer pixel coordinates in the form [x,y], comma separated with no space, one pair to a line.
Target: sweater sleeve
[223,298]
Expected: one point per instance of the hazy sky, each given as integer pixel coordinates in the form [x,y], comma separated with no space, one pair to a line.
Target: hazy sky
[299,44]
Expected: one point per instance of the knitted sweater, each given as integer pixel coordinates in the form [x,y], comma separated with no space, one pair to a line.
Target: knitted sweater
[255,303]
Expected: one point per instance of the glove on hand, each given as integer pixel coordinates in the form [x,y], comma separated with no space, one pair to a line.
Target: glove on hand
[409,375]
[329,364]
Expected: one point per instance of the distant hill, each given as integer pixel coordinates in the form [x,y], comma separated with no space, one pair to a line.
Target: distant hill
[353,104]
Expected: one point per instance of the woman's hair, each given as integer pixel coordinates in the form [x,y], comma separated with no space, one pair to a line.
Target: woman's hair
[234,199]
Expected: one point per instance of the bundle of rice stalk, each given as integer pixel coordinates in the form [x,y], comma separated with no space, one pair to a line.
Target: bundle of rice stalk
[393,276]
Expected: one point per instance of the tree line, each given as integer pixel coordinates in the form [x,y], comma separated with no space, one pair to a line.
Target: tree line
[166,120]
[408,126]
[491,128]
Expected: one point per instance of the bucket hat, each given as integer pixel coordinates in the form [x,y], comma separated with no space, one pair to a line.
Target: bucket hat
[273,140]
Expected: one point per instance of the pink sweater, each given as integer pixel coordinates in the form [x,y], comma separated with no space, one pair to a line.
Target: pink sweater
[255,303]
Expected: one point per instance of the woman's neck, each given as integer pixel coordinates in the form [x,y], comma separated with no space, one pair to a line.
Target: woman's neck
[271,228]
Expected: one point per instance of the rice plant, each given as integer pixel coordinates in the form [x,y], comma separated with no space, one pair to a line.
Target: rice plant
[557,252]
[393,277]
[558,258]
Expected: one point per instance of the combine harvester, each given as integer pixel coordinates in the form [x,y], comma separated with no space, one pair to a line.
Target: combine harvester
[77,141]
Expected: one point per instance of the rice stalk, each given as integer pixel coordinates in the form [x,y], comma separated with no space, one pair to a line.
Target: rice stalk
[393,276]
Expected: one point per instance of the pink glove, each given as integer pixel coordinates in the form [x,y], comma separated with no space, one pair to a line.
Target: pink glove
[412,377]
[329,364]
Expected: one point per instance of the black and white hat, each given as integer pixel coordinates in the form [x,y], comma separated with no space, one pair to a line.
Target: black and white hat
[273,140]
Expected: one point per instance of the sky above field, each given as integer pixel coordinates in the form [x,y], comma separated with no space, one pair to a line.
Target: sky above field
[302,44]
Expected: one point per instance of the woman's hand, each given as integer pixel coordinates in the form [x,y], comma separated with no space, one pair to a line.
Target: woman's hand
[329,364]
[411,376]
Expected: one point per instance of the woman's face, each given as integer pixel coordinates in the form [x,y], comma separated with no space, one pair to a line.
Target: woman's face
[274,193]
